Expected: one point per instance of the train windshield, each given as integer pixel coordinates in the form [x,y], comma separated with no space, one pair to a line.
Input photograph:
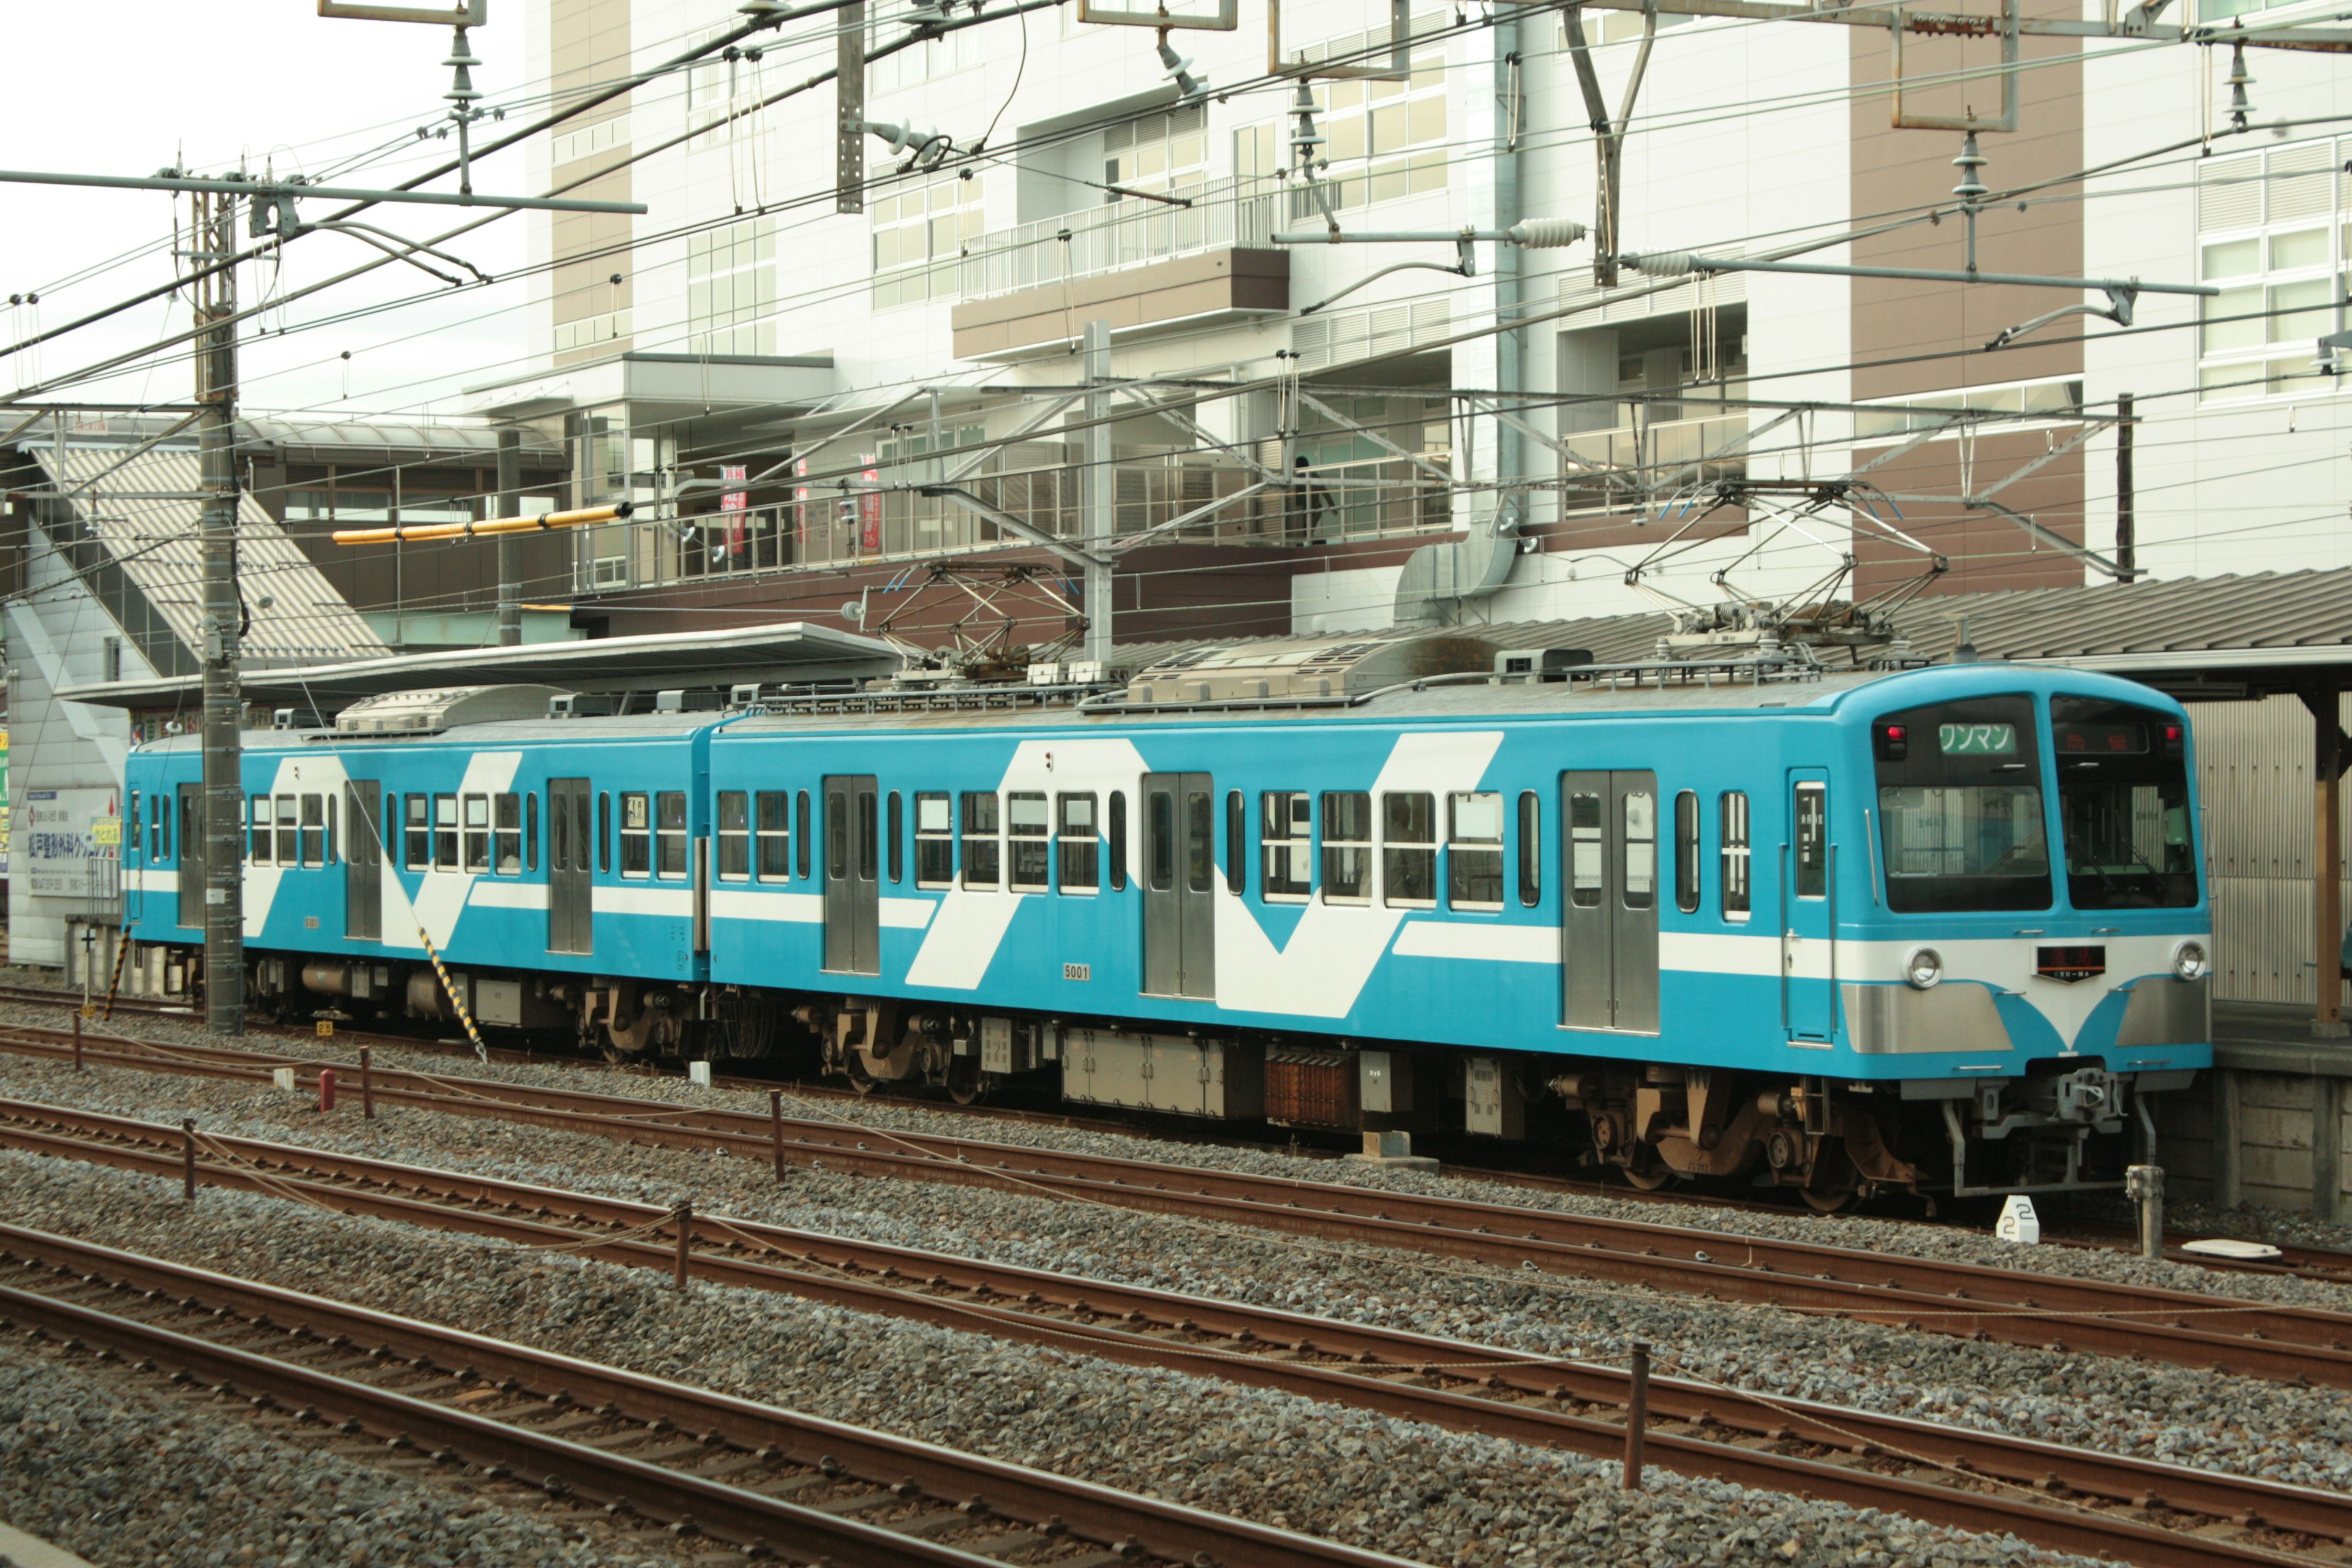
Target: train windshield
[1960,802]
[2122,805]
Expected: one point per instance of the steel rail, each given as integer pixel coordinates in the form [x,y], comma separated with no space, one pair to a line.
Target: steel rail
[2297,1344]
[1132,1527]
[1521,1396]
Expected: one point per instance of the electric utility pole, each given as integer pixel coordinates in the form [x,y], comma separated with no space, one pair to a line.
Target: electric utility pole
[223,787]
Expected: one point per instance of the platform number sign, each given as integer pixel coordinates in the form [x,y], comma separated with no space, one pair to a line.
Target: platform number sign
[1977,739]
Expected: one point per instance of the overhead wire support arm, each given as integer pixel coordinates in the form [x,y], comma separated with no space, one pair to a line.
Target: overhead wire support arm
[1682,263]
[272,190]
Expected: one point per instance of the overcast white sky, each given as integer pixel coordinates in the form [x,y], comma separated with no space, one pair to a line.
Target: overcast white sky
[130,87]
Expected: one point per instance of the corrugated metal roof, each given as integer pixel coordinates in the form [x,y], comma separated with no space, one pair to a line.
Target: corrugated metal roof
[155,543]
[412,443]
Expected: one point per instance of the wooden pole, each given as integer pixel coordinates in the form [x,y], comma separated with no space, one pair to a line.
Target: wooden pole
[685,1211]
[188,1160]
[1637,1415]
[77,1039]
[367,1085]
[776,1128]
[2326,863]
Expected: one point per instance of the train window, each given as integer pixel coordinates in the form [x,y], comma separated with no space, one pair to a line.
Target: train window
[559,832]
[1732,820]
[444,831]
[1081,850]
[313,831]
[1346,847]
[604,831]
[391,828]
[1237,842]
[636,833]
[1287,830]
[130,825]
[162,833]
[1409,848]
[506,822]
[1159,872]
[289,832]
[1027,853]
[1687,851]
[897,827]
[1810,811]
[260,819]
[868,870]
[1473,851]
[734,835]
[669,833]
[2122,805]
[1530,848]
[934,842]
[1640,886]
[420,832]
[1200,851]
[800,826]
[837,835]
[530,831]
[774,827]
[477,833]
[1117,833]
[981,850]
[1585,850]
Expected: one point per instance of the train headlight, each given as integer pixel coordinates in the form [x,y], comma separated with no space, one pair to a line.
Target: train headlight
[1923,968]
[2189,961]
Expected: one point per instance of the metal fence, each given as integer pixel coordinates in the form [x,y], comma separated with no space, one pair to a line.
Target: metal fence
[1237,211]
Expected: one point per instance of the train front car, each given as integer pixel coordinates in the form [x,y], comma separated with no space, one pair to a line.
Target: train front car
[2022,942]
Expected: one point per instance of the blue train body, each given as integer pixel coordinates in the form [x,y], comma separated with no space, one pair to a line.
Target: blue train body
[1939,927]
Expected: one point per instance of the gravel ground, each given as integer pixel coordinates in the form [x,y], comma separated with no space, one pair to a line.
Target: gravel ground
[2242,1425]
[1394,1486]
[130,1473]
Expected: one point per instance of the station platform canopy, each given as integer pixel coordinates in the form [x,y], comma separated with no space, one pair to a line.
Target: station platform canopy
[786,651]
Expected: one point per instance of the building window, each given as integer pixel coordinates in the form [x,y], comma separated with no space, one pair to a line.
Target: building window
[775,835]
[1080,848]
[1287,829]
[1024,826]
[1346,847]
[734,835]
[887,23]
[1473,851]
[730,289]
[2272,238]
[980,849]
[1384,140]
[934,842]
[636,833]
[1166,152]
[920,233]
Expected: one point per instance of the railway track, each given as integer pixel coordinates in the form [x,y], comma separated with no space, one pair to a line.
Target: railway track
[488,1412]
[2295,1345]
[2073,1500]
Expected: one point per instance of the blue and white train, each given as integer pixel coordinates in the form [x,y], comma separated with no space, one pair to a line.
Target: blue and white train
[1940,929]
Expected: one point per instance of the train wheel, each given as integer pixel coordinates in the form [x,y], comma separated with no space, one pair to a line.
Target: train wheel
[1646,1174]
[1835,1185]
[965,1084]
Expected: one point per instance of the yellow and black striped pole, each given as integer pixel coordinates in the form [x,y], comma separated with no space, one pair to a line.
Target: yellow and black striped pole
[114,984]
[449,989]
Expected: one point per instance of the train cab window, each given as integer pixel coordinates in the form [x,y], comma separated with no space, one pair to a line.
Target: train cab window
[801,828]
[1639,810]
[1960,808]
[420,831]
[1686,850]
[669,833]
[1473,851]
[1585,849]
[773,826]
[1236,843]
[1118,835]
[506,826]
[261,818]
[896,826]
[1809,814]
[1079,847]
[734,835]
[1027,853]
[2123,805]
[313,829]
[603,831]
[290,831]
[1530,848]
[1285,825]
[530,831]
[1160,870]
[1346,847]
[982,850]
[131,844]
[477,833]
[444,831]
[934,842]
[1409,848]
[636,833]
[1731,814]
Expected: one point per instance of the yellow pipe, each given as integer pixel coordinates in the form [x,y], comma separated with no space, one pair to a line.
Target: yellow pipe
[493,525]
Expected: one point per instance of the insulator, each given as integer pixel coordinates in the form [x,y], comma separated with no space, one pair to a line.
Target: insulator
[1664,263]
[1547,233]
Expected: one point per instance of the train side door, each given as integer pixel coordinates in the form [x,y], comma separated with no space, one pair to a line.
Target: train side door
[1611,912]
[363,860]
[192,856]
[1179,910]
[571,868]
[852,890]
[1808,910]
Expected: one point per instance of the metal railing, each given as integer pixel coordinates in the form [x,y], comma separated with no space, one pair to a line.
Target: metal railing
[1236,212]
[1643,456]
